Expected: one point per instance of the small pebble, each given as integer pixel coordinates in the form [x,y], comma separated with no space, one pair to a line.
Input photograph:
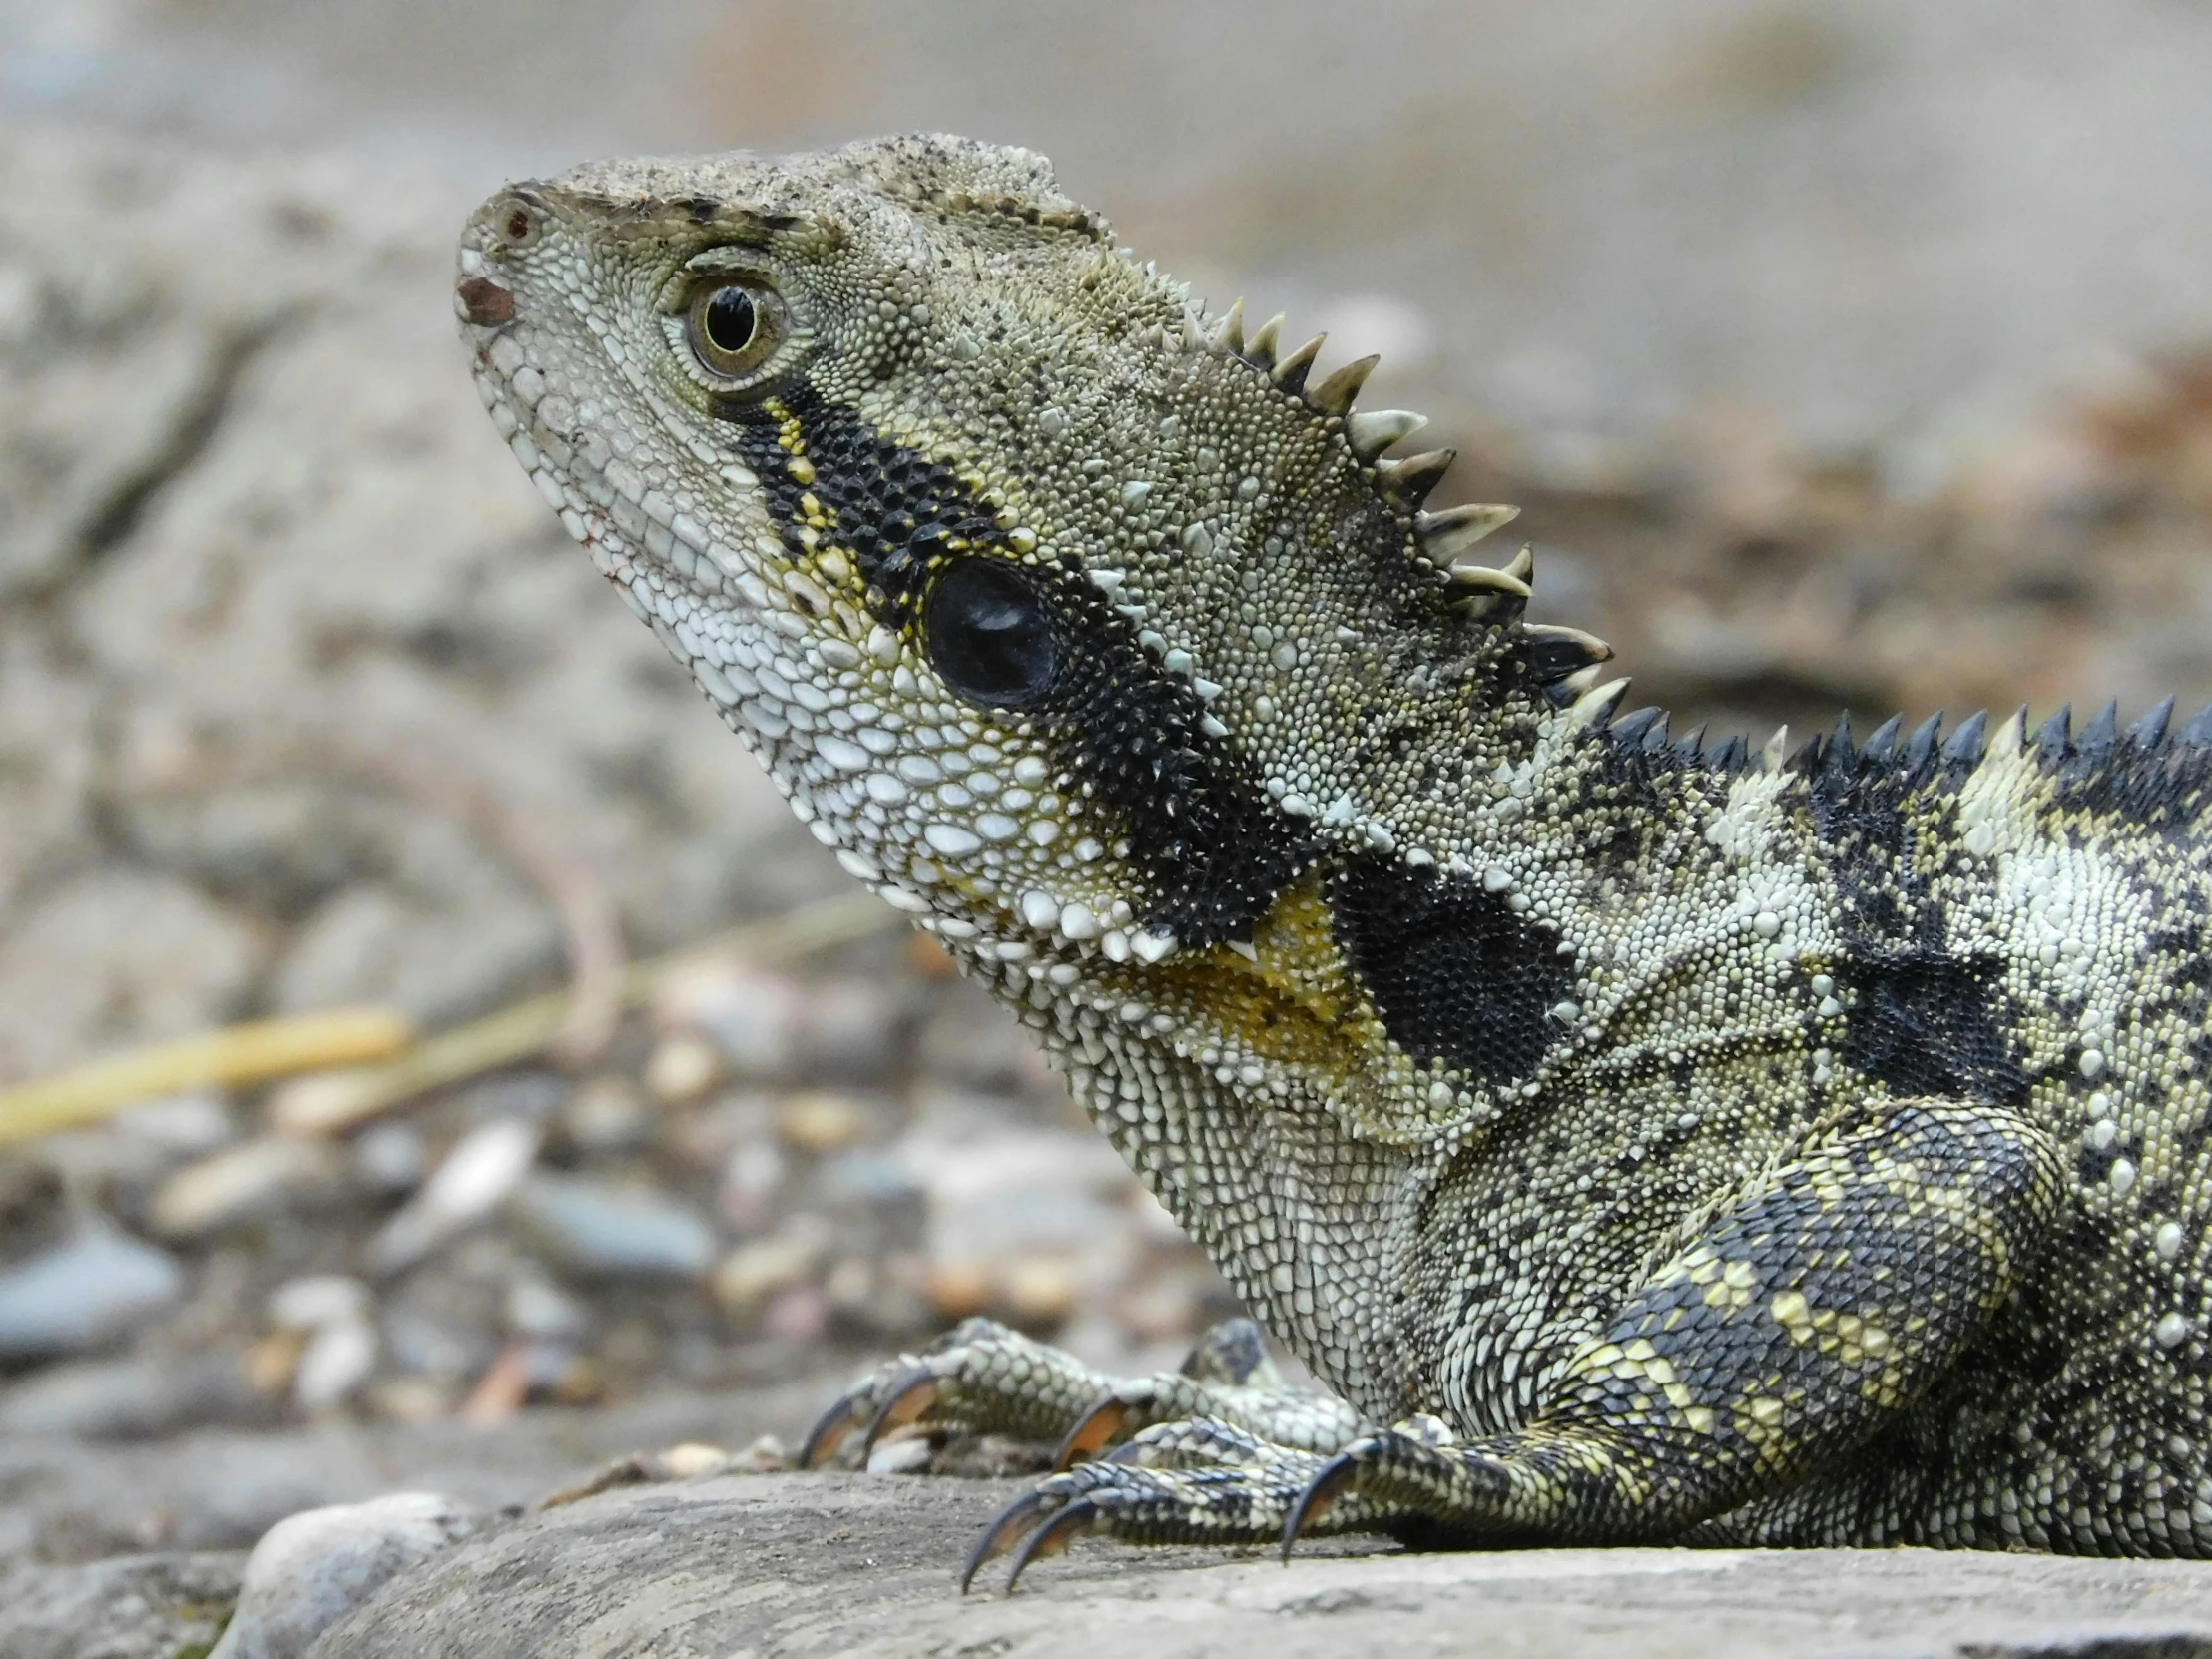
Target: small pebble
[821,1121]
[475,1177]
[766,1455]
[337,1360]
[389,1157]
[188,1123]
[240,1183]
[540,1309]
[800,1315]
[272,1361]
[310,1569]
[131,1397]
[682,1069]
[608,1114]
[410,1400]
[853,1030]
[753,1018]
[759,1269]
[80,1294]
[850,1283]
[1041,1289]
[322,1299]
[592,1227]
[692,1459]
[751,1177]
[959,1290]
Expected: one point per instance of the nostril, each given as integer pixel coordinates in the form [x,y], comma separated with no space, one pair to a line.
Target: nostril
[484,302]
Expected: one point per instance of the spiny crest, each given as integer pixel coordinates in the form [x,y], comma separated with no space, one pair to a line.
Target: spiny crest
[2099,751]
[1559,656]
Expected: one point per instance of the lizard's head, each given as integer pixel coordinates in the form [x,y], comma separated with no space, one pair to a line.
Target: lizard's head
[1077,622]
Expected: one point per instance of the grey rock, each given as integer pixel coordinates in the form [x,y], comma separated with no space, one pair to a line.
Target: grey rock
[853,1564]
[594,1228]
[310,1569]
[129,1398]
[82,1293]
[157,1606]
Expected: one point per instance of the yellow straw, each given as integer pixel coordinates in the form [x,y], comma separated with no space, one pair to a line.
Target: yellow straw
[228,1058]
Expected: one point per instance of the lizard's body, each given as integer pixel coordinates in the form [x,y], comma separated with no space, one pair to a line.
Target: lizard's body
[1688,1144]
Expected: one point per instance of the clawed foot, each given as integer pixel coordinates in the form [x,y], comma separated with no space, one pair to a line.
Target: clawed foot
[979,1378]
[1219,1452]
[983,1378]
[1205,1482]
[1196,1483]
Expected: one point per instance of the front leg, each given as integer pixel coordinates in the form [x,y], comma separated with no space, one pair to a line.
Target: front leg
[1792,1321]
[1800,1319]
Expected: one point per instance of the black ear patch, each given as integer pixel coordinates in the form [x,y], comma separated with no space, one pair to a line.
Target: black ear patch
[990,635]
[1454,972]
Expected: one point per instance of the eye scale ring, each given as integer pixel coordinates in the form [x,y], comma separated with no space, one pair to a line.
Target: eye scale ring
[990,635]
[734,328]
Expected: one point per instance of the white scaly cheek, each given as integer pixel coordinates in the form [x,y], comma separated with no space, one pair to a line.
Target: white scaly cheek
[951,820]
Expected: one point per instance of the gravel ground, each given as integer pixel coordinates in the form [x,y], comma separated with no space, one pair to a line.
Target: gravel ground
[305,703]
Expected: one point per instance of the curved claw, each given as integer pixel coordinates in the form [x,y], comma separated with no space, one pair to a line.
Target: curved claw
[1012,1524]
[912,1396]
[1061,1530]
[1316,1500]
[828,1434]
[1091,1431]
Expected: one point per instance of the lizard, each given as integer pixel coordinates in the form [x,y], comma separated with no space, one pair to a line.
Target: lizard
[1641,1138]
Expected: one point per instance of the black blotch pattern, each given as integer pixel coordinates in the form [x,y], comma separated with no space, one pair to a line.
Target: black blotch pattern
[1453,972]
[1213,849]
[1926,1023]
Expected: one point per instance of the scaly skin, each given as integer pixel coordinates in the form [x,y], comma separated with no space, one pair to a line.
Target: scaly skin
[1674,1144]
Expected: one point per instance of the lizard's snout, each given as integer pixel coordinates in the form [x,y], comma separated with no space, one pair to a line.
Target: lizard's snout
[508,222]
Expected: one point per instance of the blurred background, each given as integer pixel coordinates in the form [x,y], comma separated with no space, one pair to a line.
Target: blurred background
[1841,356]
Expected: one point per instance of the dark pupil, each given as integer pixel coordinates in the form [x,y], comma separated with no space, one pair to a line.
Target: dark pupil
[989,636]
[731,320]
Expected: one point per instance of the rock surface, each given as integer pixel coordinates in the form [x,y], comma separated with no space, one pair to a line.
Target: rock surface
[789,1565]
[167,1605]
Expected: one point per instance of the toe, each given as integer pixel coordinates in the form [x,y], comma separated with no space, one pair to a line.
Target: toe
[912,1396]
[830,1431]
[1318,1497]
[1059,1530]
[1093,1432]
[1013,1525]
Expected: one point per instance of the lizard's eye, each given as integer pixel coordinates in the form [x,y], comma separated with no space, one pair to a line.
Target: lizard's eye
[735,328]
[990,635]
